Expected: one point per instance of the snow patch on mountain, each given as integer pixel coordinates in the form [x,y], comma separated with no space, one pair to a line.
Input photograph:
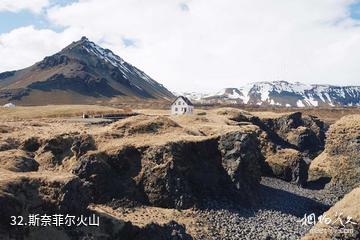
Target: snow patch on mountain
[283,93]
[299,103]
[125,68]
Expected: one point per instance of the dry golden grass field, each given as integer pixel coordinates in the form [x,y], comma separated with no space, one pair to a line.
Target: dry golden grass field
[54,111]
[58,111]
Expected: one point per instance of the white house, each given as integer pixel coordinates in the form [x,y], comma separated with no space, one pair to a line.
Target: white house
[181,106]
[9,105]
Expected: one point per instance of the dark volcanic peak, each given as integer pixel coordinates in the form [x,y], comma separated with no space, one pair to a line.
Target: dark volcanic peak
[283,93]
[83,70]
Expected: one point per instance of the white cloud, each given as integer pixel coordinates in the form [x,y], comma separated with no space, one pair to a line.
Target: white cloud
[217,43]
[24,46]
[17,5]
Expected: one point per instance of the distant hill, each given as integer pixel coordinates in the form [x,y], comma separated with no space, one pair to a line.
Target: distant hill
[83,72]
[282,93]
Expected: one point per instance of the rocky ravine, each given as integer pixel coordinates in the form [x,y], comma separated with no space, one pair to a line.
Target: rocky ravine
[210,165]
[340,161]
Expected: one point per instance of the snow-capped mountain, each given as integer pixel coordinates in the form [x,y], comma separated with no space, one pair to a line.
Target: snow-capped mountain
[82,72]
[282,93]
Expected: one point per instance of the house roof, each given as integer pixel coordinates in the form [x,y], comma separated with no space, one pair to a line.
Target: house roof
[188,102]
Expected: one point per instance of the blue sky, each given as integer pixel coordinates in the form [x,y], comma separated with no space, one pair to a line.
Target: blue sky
[355,10]
[191,45]
[10,20]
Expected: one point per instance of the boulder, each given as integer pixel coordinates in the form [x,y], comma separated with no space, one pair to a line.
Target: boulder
[18,161]
[288,164]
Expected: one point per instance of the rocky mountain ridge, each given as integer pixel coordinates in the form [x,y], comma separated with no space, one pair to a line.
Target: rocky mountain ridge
[284,94]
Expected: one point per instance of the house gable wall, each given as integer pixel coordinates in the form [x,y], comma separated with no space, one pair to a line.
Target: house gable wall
[180,107]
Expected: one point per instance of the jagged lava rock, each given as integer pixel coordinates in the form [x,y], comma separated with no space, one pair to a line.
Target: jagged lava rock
[242,159]
[291,130]
[111,175]
[288,164]
[286,141]
[177,174]
[302,133]
[180,174]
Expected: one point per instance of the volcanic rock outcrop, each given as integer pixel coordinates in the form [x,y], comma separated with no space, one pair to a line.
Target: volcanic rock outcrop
[163,162]
[288,164]
[111,176]
[242,160]
[305,134]
[287,141]
[45,193]
[340,160]
[177,174]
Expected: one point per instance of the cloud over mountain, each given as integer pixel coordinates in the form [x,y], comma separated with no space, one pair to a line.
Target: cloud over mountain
[192,45]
